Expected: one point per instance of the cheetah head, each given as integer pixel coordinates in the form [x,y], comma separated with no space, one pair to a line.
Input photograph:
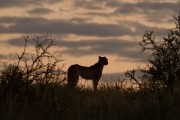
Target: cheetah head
[103,60]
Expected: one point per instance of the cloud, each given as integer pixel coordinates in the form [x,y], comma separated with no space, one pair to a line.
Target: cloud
[18,20]
[118,47]
[95,13]
[2,56]
[2,28]
[141,28]
[153,11]
[78,20]
[144,6]
[80,27]
[121,48]
[40,11]
[8,56]
[42,25]
[18,42]
[88,4]
[20,3]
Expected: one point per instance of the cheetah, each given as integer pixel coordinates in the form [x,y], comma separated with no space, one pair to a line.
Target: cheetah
[93,73]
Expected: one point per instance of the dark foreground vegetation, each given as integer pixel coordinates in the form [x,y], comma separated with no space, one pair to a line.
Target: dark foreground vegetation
[54,102]
[34,86]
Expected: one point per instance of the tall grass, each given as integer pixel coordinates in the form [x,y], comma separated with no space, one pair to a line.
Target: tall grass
[53,102]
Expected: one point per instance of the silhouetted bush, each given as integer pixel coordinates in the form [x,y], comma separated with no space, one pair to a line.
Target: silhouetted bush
[36,66]
[12,81]
[164,63]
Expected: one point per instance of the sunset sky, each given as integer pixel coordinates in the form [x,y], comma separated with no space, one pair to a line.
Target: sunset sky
[85,29]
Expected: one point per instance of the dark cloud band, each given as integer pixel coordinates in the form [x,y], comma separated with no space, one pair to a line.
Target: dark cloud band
[118,47]
[42,25]
[20,3]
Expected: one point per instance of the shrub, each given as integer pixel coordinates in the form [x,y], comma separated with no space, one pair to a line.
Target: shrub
[36,66]
[164,64]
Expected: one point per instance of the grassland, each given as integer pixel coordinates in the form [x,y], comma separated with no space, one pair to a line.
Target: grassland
[52,101]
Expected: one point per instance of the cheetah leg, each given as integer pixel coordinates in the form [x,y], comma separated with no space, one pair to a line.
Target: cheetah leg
[72,83]
[73,80]
[95,84]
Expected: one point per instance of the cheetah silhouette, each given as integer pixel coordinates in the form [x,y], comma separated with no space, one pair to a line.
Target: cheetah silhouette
[93,73]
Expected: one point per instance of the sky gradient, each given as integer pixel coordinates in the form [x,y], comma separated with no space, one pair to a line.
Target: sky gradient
[85,29]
